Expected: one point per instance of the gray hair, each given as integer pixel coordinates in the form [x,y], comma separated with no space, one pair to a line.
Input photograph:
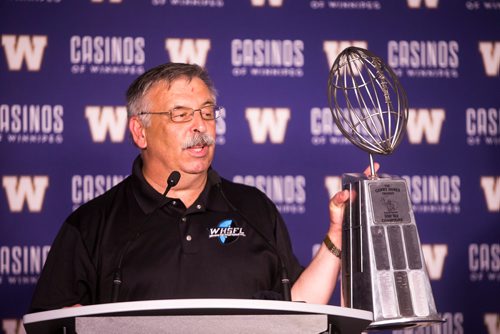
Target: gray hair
[166,73]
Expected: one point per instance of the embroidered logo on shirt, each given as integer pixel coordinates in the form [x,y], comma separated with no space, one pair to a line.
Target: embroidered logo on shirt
[226,231]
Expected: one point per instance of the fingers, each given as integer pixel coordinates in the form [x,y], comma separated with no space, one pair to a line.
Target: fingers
[340,198]
[368,171]
[76,305]
[337,204]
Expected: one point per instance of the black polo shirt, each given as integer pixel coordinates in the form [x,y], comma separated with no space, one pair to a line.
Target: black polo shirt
[210,250]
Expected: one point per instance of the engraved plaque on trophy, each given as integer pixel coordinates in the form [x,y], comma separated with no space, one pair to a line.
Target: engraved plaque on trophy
[383,268]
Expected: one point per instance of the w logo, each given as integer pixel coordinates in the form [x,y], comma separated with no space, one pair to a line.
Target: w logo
[192,51]
[110,1]
[435,256]
[104,120]
[492,322]
[425,123]
[266,122]
[491,189]
[431,4]
[490,52]
[262,3]
[13,326]
[24,49]
[333,48]
[333,185]
[25,189]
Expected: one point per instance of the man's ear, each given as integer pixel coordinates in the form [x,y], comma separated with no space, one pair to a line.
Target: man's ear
[138,132]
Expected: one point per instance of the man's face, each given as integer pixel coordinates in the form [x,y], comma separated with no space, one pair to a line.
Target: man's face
[164,138]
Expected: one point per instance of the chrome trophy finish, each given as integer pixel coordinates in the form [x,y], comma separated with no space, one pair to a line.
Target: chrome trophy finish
[383,268]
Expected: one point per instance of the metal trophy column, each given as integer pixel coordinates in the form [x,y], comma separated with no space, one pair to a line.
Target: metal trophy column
[383,268]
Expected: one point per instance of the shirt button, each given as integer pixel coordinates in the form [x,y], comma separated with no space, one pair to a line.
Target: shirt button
[174,202]
[184,219]
[188,237]
[198,206]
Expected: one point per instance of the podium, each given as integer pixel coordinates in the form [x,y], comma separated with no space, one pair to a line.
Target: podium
[205,316]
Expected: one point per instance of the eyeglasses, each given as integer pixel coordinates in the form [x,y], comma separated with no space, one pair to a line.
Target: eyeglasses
[186,114]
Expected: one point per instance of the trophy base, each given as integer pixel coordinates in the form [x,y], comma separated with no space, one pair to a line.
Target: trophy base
[403,323]
[383,268]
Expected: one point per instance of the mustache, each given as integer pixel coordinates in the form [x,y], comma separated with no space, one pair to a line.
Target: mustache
[199,139]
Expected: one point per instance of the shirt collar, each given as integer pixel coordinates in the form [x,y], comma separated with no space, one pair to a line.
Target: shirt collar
[149,199]
[213,197]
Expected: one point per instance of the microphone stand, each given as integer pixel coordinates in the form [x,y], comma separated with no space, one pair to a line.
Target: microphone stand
[172,181]
[285,281]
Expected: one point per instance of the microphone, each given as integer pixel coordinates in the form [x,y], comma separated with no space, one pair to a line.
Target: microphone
[285,281]
[172,181]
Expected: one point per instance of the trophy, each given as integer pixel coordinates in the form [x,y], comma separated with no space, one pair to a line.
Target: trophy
[383,268]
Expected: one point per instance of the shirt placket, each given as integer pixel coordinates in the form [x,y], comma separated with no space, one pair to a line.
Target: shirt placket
[189,232]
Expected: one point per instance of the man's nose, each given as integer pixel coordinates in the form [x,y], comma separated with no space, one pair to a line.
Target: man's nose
[198,123]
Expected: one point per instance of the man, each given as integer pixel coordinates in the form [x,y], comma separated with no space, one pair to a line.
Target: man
[203,237]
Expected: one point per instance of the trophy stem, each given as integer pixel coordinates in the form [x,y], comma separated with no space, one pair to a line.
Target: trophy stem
[373,173]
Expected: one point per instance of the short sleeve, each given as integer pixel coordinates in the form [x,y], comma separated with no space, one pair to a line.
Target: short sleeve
[68,273]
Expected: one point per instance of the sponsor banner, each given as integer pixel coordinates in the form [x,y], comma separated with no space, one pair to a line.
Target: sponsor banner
[368,5]
[484,262]
[107,122]
[288,192]
[491,189]
[64,128]
[482,126]
[107,54]
[12,326]
[86,187]
[434,193]
[21,265]
[25,193]
[268,124]
[189,3]
[31,124]
[424,58]
[24,52]
[268,57]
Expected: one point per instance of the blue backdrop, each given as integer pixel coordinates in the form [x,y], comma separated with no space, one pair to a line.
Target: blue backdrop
[65,65]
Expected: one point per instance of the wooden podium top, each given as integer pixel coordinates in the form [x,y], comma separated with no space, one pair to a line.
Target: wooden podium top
[339,317]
